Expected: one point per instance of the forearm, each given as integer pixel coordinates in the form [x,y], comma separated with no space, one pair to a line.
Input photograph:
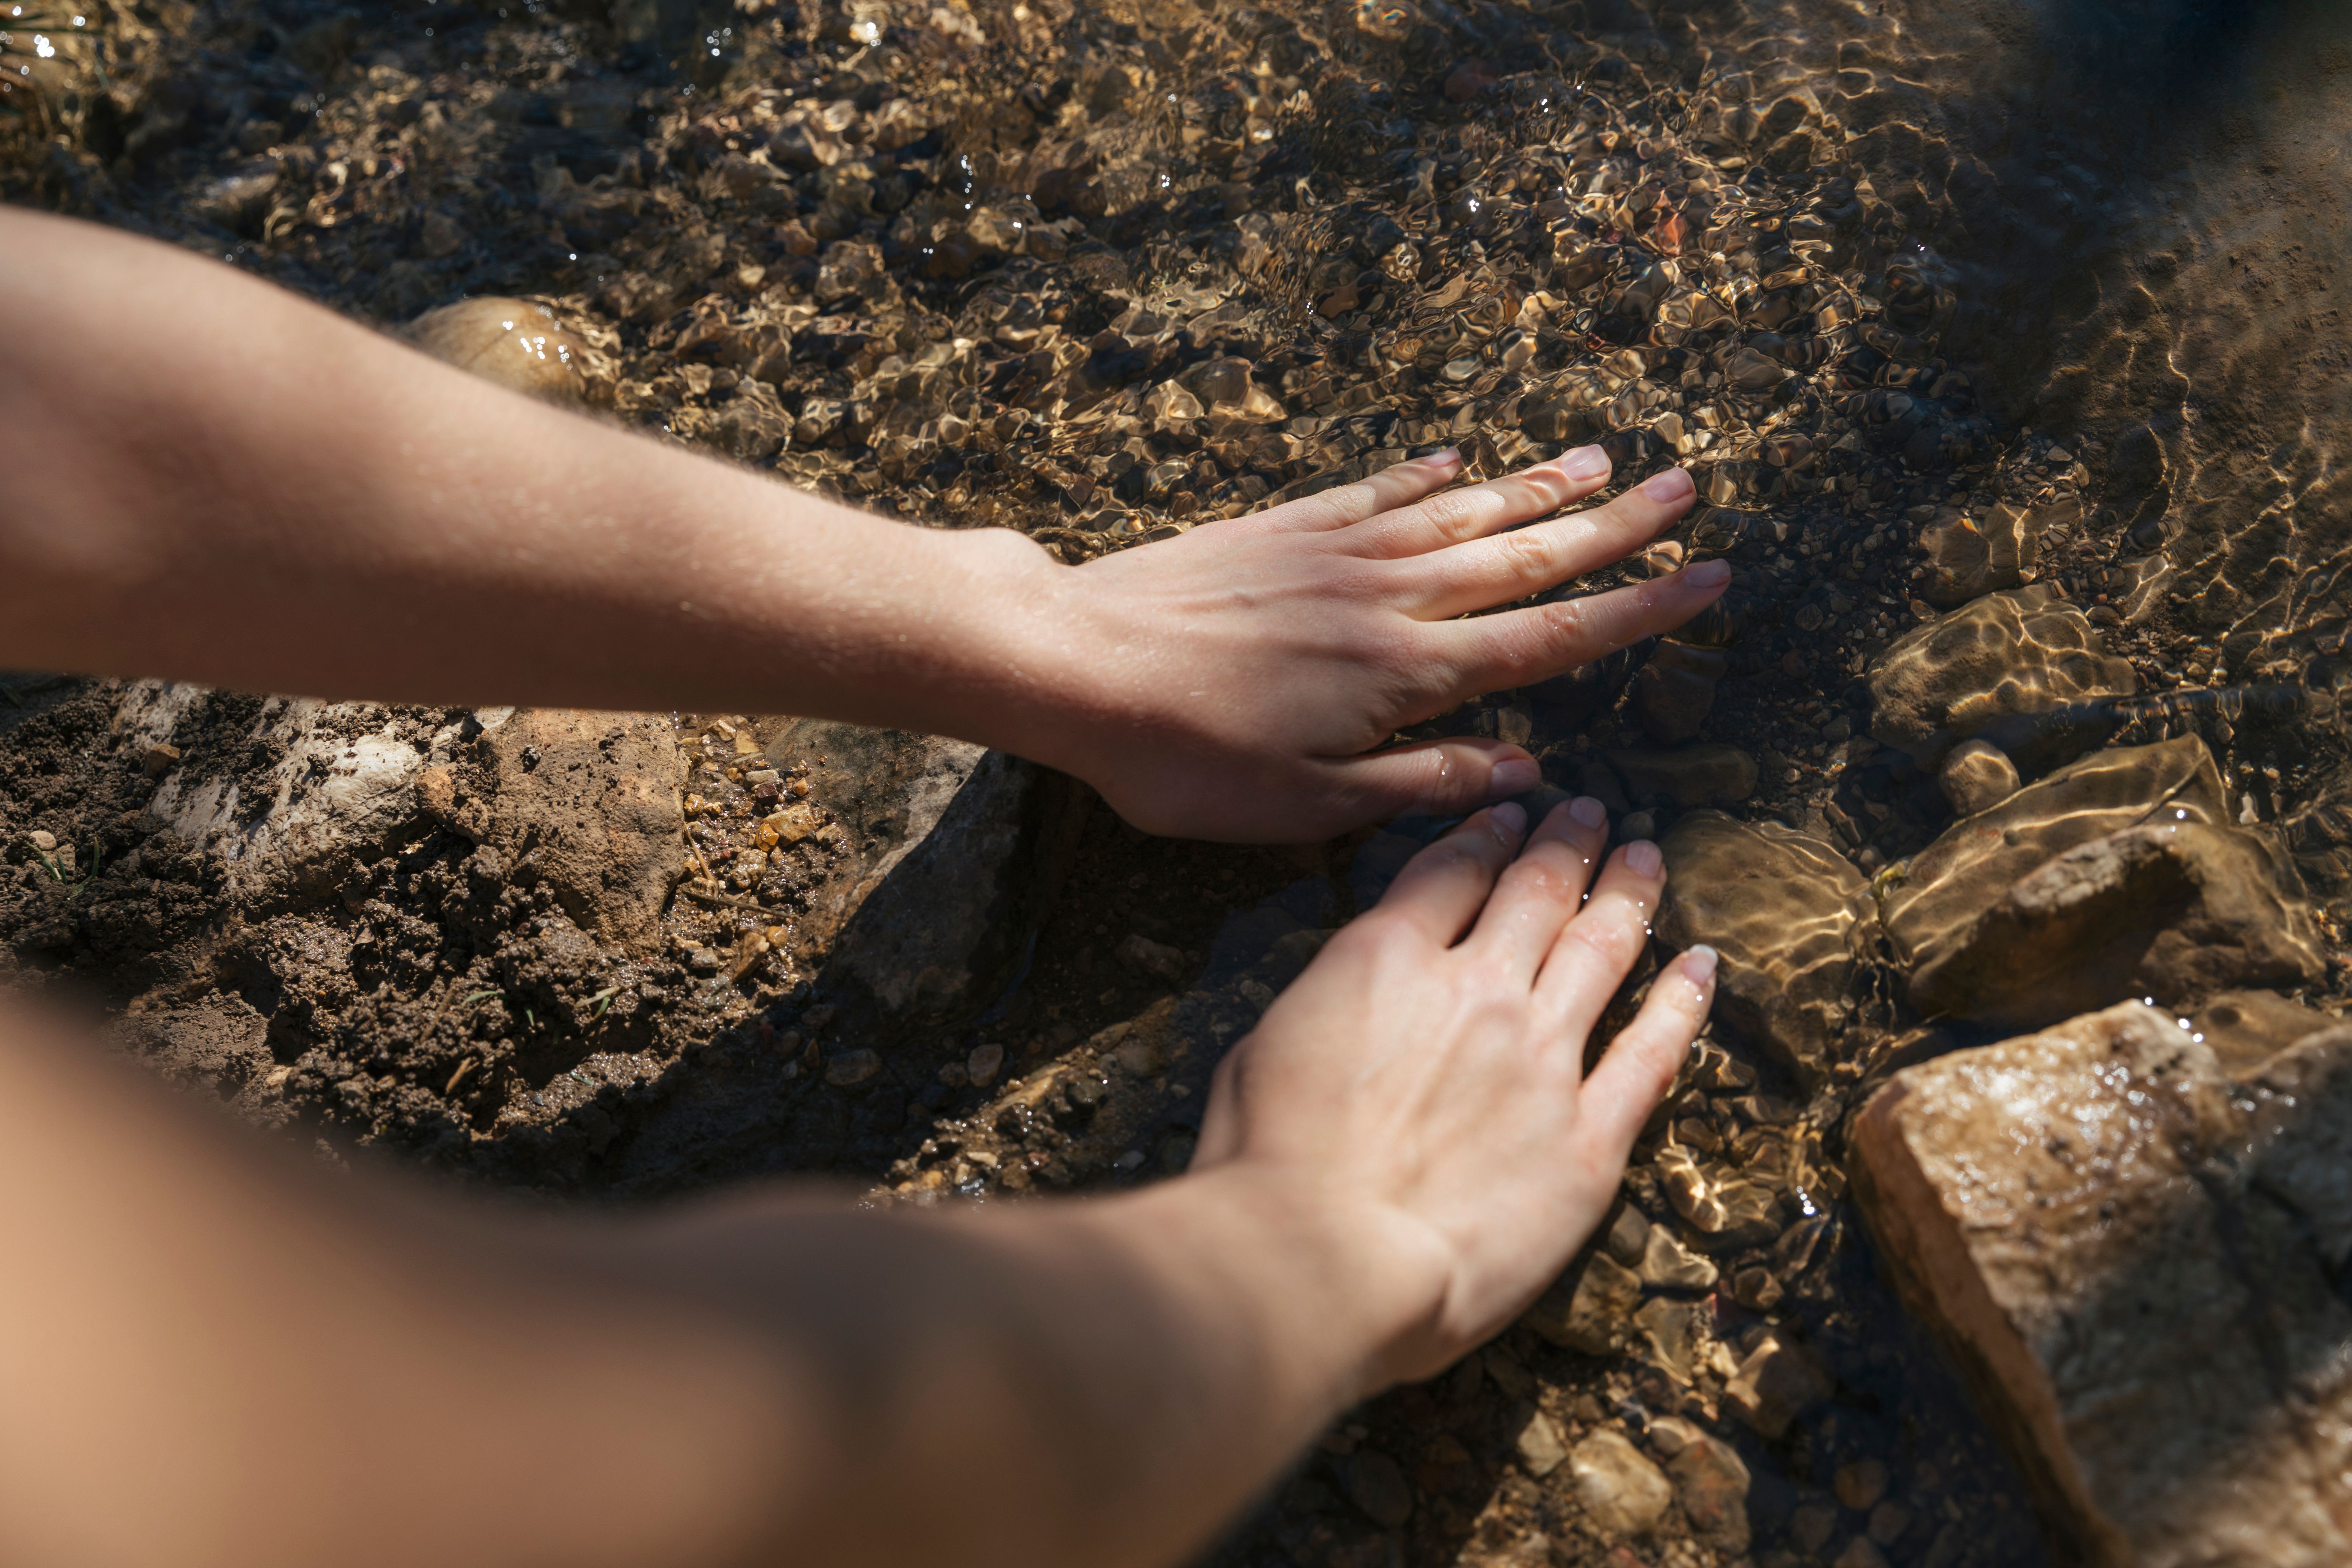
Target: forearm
[216,481]
[256,1352]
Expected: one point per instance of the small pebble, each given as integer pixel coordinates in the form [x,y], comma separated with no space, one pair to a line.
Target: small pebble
[1861,1484]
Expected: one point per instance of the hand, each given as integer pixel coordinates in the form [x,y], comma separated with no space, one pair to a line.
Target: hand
[1233,683]
[1422,1084]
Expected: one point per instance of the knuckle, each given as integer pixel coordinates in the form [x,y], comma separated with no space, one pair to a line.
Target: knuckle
[1453,515]
[1529,554]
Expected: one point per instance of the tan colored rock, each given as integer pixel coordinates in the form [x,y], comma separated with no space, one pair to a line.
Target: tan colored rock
[2132,1258]
[2245,1029]
[512,343]
[2172,910]
[1621,1491]
[1780,1380]
[1970,554]
[1976,776]
[1588,1308]
[1712,1481]
[2008,667]
[1688,774]
[1968,868]
[1787,913]
[1668,1265]
[1539,1446]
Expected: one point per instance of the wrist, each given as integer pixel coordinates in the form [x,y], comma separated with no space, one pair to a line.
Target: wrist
[1342,1288]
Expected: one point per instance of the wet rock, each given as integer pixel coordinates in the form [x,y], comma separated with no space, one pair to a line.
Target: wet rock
[1668,1265]
[512,343]
[1376,1485]
[1972,554]
[2245,1029]
[1861,1484]
[1728,1212]
[1976,776]
[1965,871]
[2023,669]
[1628,1236]
[1860,1552]
[2133,1259]
[1712,1481]
[750,426]
[1674,690]
[1669,1335]
[2173,911]
[2060,899]
[1788,915]
[1621,1492]
[1540,1447]
[1588,1308]
[1780,1380]
[1688,774]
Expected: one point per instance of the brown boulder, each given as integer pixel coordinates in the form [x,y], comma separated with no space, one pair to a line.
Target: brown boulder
[2173,911]
[2133,1259]
[2026,913]
[1786,912]
[2024,669]
[1967,869]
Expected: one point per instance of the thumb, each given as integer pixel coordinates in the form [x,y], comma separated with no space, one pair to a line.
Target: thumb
[1440,777]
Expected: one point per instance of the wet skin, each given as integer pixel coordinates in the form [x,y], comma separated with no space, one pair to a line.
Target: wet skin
[217,1352]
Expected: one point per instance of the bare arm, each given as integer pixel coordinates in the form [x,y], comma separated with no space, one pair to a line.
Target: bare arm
[212,480]
[210,1353]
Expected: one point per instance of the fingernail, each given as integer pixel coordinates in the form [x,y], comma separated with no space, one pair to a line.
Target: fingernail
[1708,574]
[1642,858]
[1698,964]
[1588,811]
[1445,457]
[1671,486]
[1584,463]
[1508,820]
[1516,777]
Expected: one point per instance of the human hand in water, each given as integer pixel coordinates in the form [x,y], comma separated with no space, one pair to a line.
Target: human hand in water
[1421,1089]
[1233,683]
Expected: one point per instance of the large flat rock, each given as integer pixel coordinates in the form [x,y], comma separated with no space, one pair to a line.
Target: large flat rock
[2135,1260]
[2117,876]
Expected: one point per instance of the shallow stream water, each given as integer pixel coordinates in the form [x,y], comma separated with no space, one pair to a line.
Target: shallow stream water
[1101,273]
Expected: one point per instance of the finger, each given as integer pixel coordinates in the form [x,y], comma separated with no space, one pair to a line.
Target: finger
[1643,1059]
[1596,950]
[1544,887]
[1397,485]
[1481,510]
[1439,777]
[1485,572]
[1520,647]
[1441,888]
